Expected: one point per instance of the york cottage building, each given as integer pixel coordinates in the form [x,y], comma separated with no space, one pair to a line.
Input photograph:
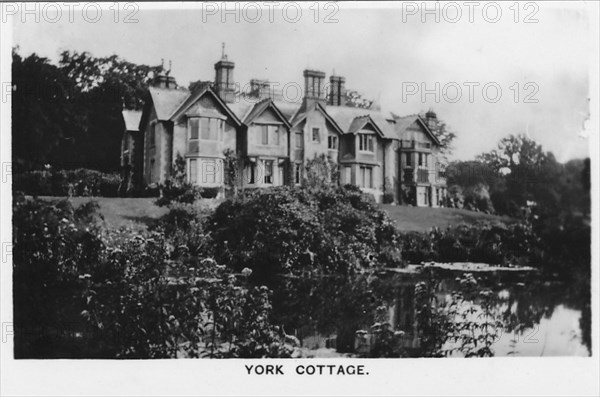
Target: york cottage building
[273,139]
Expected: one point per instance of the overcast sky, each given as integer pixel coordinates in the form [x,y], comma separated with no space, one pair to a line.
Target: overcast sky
[384,52]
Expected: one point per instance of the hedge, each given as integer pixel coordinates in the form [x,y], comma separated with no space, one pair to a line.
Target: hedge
[79,182]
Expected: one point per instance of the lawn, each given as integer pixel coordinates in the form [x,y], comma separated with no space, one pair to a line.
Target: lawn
[421,219]
[141,212]
[119,211]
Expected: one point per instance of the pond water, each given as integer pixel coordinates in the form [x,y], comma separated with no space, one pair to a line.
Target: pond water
[533,317]
[557,335]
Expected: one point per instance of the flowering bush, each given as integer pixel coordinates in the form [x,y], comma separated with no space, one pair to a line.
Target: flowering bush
[81,291]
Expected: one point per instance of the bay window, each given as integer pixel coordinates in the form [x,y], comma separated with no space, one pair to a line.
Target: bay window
[366,177]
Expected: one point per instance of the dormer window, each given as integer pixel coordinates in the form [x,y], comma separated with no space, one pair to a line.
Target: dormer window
[366,142]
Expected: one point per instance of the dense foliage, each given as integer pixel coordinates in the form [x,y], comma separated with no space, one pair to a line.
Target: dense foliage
[296,230]
[82,291]
[69,115]
[177,189]
[61,183]
[515,244]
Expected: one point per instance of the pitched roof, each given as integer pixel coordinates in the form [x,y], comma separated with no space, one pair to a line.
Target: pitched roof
[132,119]
[192,98]
[260,107]
[288,109]
[166,100]
[402,124]
[350,118]
[241,107]
[302,112]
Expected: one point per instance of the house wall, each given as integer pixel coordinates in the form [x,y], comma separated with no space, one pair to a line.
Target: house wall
[428,187]
[254,137]
[153,154]
[204,158]
[180,138]
[315,119]
[389,167]
[297,153]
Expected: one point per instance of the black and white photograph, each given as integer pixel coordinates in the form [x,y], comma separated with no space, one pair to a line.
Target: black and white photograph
[299,198]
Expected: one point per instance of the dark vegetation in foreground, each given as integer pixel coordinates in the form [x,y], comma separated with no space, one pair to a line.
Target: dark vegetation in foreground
[239,280]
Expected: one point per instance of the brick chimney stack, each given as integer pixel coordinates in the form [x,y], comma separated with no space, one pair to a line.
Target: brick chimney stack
[313,87]
[224,82]
[337,91]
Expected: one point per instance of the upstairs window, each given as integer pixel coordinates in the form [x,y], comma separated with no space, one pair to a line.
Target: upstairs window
[408,159]
[332,142]
[270,134]
[316,135]
[210,129]
[264,134]
[420,159]
[366,142]
[277,134]
[194,128]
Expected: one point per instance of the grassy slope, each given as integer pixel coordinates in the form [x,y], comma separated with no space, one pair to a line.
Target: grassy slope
[117,212]
[139,212]
[421,219]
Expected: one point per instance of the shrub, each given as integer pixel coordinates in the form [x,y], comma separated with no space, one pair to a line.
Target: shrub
[299,230]
[83,292]
[493,243]
[53,246]
[477,198]
[80,182]
[171,192]
[35,183]
[209,192]
[388,198]
[184,227]
[148,303]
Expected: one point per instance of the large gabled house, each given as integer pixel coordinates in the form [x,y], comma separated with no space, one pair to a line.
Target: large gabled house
[383,154]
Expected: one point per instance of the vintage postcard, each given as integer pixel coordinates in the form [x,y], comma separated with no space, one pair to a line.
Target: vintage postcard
[299,198]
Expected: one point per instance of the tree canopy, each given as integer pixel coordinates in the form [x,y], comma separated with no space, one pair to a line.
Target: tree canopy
[69,115]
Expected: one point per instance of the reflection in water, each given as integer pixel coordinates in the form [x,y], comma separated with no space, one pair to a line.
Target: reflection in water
[530,316]
[558,335]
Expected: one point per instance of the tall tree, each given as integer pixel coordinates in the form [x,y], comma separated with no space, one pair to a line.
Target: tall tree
[107,85]
[446,137]
[46,115]
[355,99]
